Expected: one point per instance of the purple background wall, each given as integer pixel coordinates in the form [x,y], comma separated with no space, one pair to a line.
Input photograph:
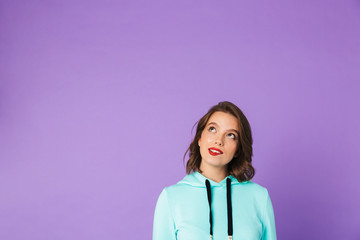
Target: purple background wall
[98,98]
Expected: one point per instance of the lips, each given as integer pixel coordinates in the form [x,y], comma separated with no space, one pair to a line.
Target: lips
[215,151]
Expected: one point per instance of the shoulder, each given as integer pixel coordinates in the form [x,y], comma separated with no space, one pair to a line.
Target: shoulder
[182,189]
[254,189]
[175,189]
[253,186]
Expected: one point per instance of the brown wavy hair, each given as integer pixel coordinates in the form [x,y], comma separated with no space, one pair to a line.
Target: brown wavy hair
[240,166]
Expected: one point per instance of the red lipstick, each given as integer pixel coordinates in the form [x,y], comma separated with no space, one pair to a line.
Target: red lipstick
[215,151]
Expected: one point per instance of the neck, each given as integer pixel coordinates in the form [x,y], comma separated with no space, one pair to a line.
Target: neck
[215,174]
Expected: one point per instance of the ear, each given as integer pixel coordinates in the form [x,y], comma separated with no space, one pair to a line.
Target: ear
[199,142]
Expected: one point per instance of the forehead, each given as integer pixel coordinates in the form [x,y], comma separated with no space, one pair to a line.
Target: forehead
[224,120]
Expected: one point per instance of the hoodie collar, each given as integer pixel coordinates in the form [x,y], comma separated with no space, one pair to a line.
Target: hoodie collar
[202,179]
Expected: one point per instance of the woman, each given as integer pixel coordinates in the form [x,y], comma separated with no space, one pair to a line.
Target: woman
[217,197]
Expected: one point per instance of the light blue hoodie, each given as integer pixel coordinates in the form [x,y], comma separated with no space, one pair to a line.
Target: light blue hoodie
[183,213]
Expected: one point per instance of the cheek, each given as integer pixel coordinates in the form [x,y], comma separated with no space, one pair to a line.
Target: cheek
[209,137]
[232,147]
[205,137]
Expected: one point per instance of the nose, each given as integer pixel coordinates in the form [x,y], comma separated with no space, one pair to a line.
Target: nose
[219,141]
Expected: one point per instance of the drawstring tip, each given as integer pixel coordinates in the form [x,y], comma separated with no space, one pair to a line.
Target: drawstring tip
[210,237]
[229,237]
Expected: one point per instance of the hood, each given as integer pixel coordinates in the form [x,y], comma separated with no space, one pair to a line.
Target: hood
[196,179]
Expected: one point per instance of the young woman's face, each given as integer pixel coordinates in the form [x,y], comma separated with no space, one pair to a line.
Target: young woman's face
[218,141]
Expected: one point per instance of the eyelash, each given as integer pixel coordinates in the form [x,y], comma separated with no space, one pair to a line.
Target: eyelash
[234,136]
[229,133]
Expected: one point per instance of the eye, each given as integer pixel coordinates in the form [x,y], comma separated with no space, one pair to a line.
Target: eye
[232,135]
[212,129]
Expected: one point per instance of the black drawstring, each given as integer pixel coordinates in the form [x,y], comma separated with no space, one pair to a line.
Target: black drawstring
[229,208]
[208,189]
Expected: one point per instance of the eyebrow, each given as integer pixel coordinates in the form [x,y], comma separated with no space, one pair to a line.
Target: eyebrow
[214,123]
